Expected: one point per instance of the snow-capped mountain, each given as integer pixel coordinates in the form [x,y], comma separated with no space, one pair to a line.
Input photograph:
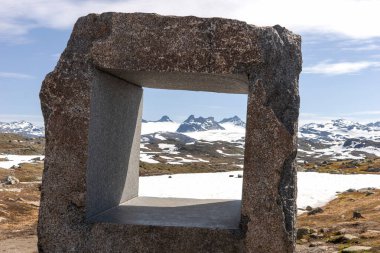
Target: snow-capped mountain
[164,118]
[23,128]
[340,129]
[235,120]
[339,139]
[374,124]
[193,124]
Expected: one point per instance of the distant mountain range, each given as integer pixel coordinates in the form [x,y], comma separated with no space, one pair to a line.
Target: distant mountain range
[193,124]
[162,119]
[23,128]
[337,139]
[235,120]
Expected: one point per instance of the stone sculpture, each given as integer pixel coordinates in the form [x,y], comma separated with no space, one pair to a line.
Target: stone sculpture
[92,104]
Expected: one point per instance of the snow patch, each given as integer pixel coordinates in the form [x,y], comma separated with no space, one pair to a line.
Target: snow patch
[144,157]
[168,148]
[225,154]
[15,160]
[153,127]
[314,189]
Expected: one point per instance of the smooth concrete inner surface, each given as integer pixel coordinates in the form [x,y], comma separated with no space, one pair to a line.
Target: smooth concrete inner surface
[114,148]
[178,212]
[227,83]
[114,143]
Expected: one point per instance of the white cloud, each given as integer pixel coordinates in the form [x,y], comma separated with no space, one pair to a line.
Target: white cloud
[340,68]
[13,75]
[352,18]
[375,56]
[362,117]
[368,47]
[366,113]
[306,118]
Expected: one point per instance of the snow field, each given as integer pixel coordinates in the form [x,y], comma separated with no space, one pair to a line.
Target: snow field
[314,189]
[14,160]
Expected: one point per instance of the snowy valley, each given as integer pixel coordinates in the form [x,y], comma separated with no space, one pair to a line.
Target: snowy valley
[205,140]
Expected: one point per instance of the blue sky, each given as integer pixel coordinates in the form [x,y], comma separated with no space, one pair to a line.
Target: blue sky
[341,54]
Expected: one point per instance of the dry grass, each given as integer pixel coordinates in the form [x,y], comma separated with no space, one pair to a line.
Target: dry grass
[19,203]
[338,218]
[20,211]
[18,145]
[29,172]
[149,169]
[345,166]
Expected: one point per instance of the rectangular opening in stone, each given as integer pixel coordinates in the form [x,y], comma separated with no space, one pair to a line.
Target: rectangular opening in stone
[222,83]
[114,146]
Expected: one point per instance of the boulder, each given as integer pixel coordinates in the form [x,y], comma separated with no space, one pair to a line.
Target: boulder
[346,238]
[301,232]
[315,211]
[316,236]
[370,234]
[316,244]
[309,208]
[373,169]
[11,180]
[357,215]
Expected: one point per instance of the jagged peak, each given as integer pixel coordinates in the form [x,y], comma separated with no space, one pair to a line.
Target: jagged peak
[234,120]
[193,124]
[165,118]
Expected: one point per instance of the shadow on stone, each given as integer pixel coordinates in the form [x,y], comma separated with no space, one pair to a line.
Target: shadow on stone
[178,212]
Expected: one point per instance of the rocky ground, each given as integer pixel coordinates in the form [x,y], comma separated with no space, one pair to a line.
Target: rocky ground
[179,149]
[19,200]
[332,228]
[349,223]
[19,203]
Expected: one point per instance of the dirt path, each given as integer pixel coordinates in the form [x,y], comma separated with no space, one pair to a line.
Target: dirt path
[26,244]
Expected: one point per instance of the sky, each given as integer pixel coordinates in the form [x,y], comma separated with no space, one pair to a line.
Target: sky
[340,47]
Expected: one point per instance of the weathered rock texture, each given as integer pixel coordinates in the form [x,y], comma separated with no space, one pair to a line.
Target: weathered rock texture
[132,50]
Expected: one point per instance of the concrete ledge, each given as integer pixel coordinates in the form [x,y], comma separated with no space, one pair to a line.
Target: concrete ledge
[223,83]
[177,212]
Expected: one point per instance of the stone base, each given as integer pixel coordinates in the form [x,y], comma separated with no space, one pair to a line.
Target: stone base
[174,212]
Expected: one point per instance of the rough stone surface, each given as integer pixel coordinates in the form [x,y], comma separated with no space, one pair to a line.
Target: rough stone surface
[170,52]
